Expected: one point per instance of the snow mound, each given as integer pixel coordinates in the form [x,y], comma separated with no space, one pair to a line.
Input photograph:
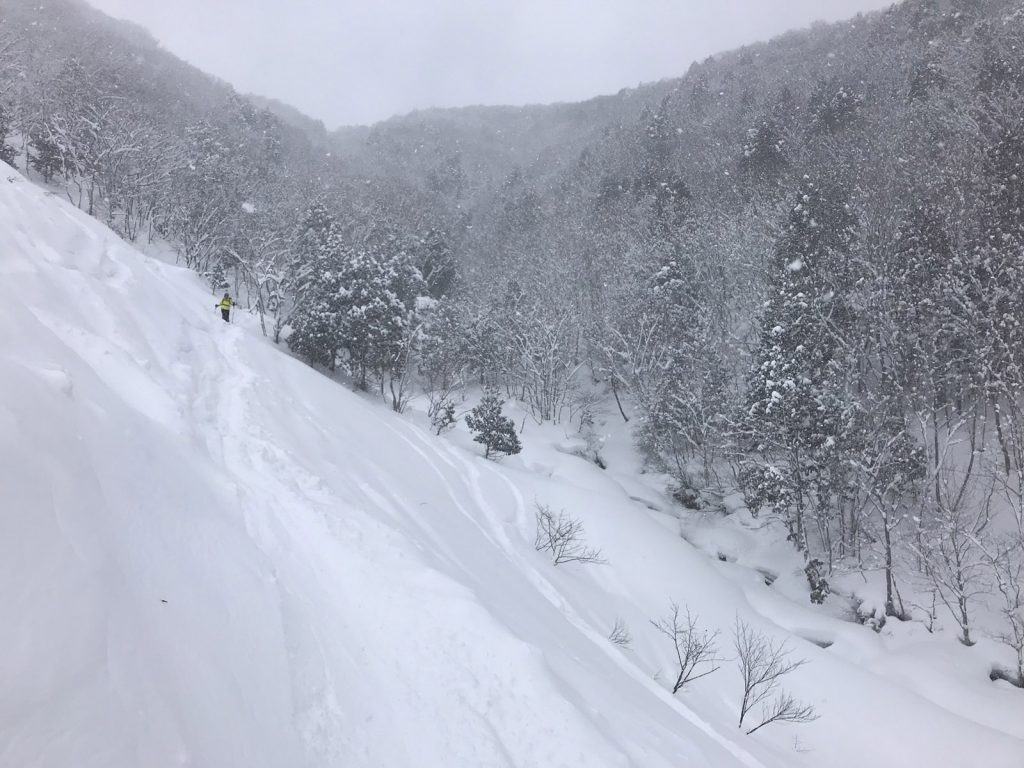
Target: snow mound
[212,555]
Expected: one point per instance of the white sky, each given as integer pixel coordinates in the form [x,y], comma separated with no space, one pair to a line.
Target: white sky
[359,61]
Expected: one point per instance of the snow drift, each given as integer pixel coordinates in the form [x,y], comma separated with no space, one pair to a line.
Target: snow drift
[212,555]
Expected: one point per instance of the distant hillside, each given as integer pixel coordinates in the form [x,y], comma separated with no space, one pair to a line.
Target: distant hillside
[289,115]
[472,148]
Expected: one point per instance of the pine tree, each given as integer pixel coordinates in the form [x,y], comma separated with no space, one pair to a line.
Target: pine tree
[687,403]
[7,153]
[438,263]
[316,321]
[834,106]
[764,153]
[45,156]
[378,321]
[497,433]
[797,409]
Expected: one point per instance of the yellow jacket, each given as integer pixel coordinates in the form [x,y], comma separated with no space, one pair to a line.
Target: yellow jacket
[226,303]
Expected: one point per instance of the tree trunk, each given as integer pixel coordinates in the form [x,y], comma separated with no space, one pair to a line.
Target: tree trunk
[890,607]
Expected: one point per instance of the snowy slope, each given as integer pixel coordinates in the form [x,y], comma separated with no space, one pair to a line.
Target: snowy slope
[213,556]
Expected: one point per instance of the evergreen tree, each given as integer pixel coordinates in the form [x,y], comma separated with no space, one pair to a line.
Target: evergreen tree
[378,321]
[686,397]
[834,106]
[319,300]
[7,153]
[437,263]
[764,153]
[797,407]
[497,433]
[45,155]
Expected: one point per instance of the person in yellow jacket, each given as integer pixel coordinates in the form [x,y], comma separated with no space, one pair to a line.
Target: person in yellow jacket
[225,306]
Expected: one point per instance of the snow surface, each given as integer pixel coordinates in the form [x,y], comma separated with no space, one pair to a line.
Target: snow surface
[212,555]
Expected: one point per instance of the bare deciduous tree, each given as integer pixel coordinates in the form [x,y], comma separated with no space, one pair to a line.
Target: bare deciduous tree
[547,361]
[562,537]
[762,663]
[956,517]
[694,648]
[1006,562]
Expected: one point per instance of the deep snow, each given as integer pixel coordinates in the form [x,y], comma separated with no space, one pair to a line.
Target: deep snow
[212,555]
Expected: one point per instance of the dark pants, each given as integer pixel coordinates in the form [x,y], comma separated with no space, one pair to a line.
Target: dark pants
[226,314]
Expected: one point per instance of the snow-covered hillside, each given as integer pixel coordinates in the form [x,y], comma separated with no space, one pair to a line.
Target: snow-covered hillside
[211,555]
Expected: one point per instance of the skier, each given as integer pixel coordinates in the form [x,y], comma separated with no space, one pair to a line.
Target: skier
[225,306]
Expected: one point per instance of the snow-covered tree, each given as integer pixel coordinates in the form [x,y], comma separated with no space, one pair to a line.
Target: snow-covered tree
[493,430]
[443,355]
[379,322]
[798,409]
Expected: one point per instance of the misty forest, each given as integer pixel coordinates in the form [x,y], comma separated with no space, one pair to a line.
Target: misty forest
[796,272]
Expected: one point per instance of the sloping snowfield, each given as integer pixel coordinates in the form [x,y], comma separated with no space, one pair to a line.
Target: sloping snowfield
[212,555]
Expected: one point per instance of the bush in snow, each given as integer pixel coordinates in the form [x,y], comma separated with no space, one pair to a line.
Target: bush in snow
[763,486]
[497,433]
[684,492]
[695,649]
[871,617]
[817,583]
[620,635]
[444,417]
[762,663]
[562,537]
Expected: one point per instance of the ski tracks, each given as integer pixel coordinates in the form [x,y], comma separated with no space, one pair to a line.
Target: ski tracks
[266,483]
[273,483]
[467,470]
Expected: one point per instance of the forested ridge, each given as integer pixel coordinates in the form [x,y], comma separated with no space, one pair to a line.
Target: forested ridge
[799,268]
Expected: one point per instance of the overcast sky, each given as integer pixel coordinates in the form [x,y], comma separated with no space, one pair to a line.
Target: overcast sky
[358,61]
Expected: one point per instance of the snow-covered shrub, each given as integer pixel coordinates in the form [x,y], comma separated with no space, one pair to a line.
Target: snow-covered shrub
[444,417]
[686,494]
[590,449]
[497,433]
[871,617]
[818,584]
[764,486]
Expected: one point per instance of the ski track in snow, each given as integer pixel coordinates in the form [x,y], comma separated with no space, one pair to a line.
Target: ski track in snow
[222,399]
[233,422]
[468,468]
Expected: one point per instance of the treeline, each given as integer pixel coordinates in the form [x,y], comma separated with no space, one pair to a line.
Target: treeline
[799,268]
